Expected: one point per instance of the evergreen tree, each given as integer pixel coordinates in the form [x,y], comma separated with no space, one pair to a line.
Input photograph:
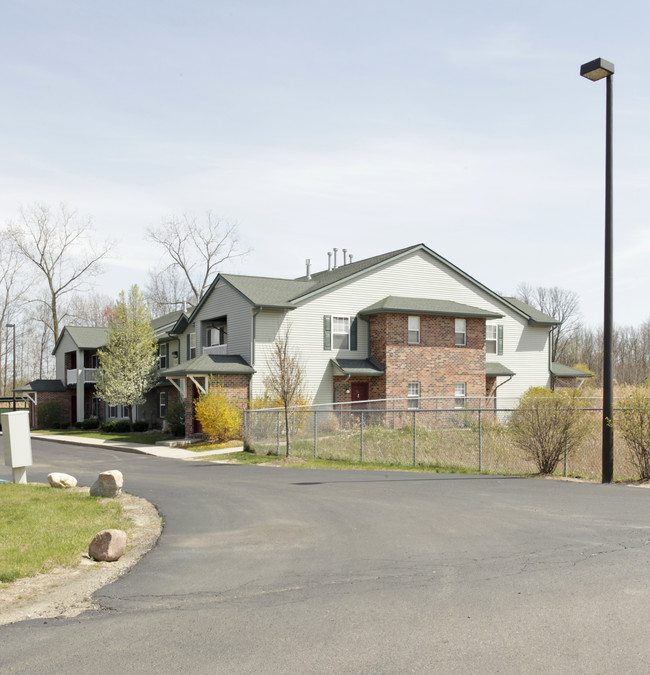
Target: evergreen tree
[128,364]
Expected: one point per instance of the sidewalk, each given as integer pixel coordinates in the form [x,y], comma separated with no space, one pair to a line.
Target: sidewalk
[138,448]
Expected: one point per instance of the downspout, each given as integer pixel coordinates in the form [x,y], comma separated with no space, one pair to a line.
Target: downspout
[256,311]
[340,384]
[497,386]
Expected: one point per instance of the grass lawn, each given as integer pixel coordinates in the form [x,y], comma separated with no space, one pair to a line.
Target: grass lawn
[43,528]
[146,437]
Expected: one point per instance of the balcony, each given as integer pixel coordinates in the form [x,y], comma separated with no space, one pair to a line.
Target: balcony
[89,375]
[216,350]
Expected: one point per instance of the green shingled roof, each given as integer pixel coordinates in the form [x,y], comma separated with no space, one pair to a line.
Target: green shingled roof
[365,367]
[495,369]
[535,317]
[397,305]
[267,291]
[560,370]
[164,324]
[41,385]
[87,337]
[211,364]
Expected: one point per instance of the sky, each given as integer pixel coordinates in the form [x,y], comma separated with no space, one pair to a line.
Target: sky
[362,125]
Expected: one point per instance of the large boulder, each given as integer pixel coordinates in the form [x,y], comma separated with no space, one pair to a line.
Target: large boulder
[108,545]
[61,480]
[108,484]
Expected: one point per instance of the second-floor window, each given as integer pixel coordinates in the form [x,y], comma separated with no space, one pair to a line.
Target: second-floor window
[491,339]
[460,330]
[163,355]
[414,330]
[191,346]
[339,332]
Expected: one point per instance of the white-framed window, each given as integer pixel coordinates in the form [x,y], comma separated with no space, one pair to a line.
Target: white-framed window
[460,390]
[112,411]
[94,407]
[118,412]
[414,330]
[460,329]
[162,407]
[191,346]
[413,395]
[340,332]
[490,339]
[163,355]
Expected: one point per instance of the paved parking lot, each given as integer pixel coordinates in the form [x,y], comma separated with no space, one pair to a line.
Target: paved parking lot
[268,570]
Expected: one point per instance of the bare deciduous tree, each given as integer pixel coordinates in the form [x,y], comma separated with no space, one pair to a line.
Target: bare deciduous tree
[561,304]
[285,380]
[166,291]
[90,309]
[197,247]
[59,243]
[12,288]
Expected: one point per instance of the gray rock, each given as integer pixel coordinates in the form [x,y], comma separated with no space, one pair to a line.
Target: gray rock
[108,484]
[108,545]
[62,480]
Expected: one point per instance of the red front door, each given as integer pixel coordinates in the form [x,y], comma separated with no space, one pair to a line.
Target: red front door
[358,392]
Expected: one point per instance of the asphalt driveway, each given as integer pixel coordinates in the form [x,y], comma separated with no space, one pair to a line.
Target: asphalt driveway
[267,570]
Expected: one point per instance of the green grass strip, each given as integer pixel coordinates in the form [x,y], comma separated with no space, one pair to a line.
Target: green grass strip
[42,528]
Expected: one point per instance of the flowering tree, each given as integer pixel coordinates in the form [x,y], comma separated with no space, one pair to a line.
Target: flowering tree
[128,364]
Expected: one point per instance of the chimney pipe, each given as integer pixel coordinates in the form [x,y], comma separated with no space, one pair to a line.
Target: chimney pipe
[335,252]
[329,261]
[308,264]
[345,256]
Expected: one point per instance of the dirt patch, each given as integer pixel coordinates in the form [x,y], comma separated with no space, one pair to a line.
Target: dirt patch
[67,591]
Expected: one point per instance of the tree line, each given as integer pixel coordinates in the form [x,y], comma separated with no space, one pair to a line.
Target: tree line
[49,258]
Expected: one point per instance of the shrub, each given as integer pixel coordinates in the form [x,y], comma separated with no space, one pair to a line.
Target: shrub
[546,425]
[175,418]
[632,419]
[220,419]
[141,425]
[91,423]
[122,426]
[49,414]
[109,426]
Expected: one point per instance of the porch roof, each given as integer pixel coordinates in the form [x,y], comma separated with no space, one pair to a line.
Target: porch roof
[211,364]
[41,385]
[495,369]
[398,305]
[560,370]
[365,367]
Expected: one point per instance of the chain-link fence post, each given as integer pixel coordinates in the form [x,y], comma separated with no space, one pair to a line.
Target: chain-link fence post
[362,435]
[277,449]
[415,437]
[480,441]
[245,429]
[315,433]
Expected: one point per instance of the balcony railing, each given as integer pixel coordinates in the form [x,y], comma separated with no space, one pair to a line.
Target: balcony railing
[216,350]
[89,375]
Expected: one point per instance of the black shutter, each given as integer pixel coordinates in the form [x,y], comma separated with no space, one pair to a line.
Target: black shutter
[353,334]
[188,346]
[327,332]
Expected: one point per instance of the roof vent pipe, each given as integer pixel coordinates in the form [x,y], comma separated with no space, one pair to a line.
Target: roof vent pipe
[308,264]
[345,256]
[350,259]
[329,261]
[335,252]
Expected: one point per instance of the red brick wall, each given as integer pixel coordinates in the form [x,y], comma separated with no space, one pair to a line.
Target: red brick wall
[436,363]
[63,397]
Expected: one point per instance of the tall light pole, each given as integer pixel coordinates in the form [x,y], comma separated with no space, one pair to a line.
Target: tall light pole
[597,70]
[13,391]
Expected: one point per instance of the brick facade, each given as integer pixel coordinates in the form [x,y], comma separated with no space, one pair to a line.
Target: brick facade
[436,363]
[63,397]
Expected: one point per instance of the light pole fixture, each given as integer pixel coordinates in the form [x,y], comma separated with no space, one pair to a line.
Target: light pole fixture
[597,70]
[13,391]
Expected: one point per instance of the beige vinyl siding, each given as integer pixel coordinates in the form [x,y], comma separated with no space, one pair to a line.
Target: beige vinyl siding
[66,344]
[225,301]
[416,275]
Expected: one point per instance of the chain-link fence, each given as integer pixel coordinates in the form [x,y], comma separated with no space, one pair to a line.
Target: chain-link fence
[476,437]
